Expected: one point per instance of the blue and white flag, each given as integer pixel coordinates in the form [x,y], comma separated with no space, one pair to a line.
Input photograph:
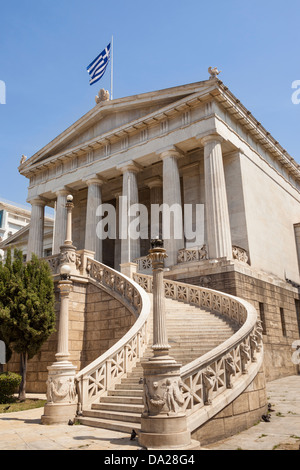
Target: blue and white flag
[97,68]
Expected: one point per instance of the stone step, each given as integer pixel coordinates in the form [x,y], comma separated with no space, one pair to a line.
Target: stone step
[192,332]
[128,393]
[113,415]
[113,425]
[120,407]
[134,386]
[122,399]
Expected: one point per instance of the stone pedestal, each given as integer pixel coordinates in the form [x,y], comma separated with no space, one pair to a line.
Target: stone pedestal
[128,269]
[61,403]
[163,423]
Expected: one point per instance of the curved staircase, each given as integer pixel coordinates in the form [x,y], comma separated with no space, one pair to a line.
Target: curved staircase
[192,332]
[216,337]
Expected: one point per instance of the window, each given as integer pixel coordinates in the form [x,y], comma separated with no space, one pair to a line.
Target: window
[262,317]
[283,326]
[1,218]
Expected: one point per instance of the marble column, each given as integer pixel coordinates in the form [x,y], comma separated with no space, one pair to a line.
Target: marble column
[130,248]
[174,240]
[60,226]
[156,198]
[117,248]
[36,228]
[217,215]
[163,421]
[62,400]
[94,199]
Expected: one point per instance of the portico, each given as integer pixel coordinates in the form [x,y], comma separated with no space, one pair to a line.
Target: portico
[190,144]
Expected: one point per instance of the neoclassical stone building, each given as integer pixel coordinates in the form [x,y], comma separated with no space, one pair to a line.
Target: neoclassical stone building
[231,278]
[191,144]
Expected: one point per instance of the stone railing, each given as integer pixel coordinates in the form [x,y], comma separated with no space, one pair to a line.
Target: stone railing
[144,265]
[213,380]
[77,260]
[94,380]
[54,263]
[189,255]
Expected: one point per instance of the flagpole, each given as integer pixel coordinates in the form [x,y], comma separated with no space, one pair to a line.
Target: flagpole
[111,68]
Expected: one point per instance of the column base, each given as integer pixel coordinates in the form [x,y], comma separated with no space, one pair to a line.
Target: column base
[163,423]
[61,403]
[166,432]
[59,413]
[128,269]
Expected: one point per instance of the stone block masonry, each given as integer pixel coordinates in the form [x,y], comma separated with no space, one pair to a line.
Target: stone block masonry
[275,302]
[241,414]
[96,322]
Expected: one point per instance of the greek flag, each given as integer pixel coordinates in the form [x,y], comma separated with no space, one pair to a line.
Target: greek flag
[97,68]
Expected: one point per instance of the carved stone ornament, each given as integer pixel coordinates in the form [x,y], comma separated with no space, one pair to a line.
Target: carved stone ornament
[163,396]
[103,95]
[61,390]
[209,380]
[229,370]
[213,72]
[23,159]
[240,254]
[245,357]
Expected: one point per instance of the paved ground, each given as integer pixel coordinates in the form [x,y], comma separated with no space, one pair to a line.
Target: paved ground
[23,430]
[283,430]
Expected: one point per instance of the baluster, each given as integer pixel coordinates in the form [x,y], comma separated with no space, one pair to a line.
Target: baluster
[108,373]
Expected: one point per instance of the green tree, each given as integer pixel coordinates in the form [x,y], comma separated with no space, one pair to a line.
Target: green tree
[27,317]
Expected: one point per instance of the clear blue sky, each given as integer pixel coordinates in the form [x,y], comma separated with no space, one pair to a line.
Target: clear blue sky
[46,45]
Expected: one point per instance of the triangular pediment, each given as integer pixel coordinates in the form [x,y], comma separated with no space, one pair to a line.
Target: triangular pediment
[109,116]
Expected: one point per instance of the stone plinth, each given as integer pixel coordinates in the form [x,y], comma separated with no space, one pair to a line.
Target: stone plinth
[61,403]
[163,423]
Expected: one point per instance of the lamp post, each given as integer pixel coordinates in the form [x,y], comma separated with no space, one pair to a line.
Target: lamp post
[61,389]
[163,422]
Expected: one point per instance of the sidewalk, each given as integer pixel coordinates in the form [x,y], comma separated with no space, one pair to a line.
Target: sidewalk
[23,430]
[283,430]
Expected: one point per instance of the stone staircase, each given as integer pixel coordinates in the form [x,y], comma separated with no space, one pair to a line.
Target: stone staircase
[192,332]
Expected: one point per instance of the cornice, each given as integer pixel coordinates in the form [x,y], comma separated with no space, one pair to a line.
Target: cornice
[212,90]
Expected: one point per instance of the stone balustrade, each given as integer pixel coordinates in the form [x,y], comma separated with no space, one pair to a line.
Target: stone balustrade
[95,379]
[144,264]
[213,380]
[189,255]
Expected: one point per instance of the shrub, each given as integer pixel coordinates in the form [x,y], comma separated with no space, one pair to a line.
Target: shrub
[9,383]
